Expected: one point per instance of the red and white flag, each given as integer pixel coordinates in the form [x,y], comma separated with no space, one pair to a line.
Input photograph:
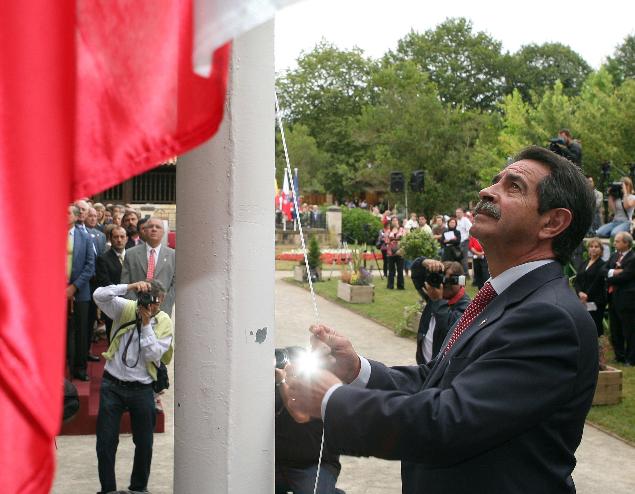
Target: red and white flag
[92,92]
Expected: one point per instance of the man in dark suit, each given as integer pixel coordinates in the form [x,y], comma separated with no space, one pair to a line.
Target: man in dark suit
[110,263]
[80,269]
[151,260]
[621,281]
[501,409]
[446,302]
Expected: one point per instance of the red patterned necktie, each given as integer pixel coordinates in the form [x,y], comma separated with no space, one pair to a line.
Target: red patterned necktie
[483,297]
[151,264]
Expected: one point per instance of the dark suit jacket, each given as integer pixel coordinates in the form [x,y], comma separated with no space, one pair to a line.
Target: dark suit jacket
[83,266]
[135,268]
[624,295]
[503,412]
[445,315]
[592,281]
[108,269]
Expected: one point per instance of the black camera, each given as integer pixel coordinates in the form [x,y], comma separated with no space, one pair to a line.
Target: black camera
[287,355]
[556,145]
[145,299]
[420,276]
[615,190]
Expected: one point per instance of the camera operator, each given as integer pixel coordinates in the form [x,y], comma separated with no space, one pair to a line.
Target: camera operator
[621,204]
[439,284]
[141,339]
[298,440]
[566,146]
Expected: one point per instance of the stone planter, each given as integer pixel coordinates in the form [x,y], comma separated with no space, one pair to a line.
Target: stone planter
[609,388]
[412,320]
[356,294]
[299,273]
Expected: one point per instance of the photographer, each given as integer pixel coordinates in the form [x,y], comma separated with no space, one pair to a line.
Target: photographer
[566,146]
[141,339]
[621,204]
[298,440]
[439,284]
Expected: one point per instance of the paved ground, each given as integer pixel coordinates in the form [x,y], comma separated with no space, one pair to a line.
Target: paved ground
[605,464]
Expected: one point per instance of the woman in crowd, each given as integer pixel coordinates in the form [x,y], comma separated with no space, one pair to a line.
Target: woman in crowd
[590,283]
[451,241]
[622,209]
[395,257]
[382,245]
[479,263]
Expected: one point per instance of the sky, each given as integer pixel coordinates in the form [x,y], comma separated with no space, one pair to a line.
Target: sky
[591,28]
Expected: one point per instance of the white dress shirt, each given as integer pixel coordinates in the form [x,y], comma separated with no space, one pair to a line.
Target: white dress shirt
[110,300]
[501,283]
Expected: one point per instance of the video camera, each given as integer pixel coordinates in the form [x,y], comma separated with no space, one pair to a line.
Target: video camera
[556,144]
[420,275]
[615,190]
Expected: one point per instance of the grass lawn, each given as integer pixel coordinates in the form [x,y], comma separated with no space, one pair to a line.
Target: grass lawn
[388,310]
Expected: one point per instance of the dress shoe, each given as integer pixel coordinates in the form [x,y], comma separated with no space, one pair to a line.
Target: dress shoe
[93,358]
[81,375]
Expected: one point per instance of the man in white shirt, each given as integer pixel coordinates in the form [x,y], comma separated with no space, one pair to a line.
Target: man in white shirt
[463,225]
[140,340]
[502,406]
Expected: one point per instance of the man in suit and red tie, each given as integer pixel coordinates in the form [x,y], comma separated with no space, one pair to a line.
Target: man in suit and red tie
[152,260]
[621,281]
[501,408]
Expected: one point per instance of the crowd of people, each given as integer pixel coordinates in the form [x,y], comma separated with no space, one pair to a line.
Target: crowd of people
[451,233]
[121,286]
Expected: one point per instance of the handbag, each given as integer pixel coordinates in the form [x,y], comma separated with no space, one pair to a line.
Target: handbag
[163,381]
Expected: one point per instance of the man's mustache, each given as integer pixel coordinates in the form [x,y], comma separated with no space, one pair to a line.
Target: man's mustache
[488,208]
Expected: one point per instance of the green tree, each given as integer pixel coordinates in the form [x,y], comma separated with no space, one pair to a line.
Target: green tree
[622,64]
[303,155]
[468,68]
[536,68]
[409,128]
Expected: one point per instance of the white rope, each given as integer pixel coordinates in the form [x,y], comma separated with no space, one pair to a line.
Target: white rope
[306,257]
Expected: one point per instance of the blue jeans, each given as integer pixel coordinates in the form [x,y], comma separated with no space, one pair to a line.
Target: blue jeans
[613,228]
[114,400]
[302,480]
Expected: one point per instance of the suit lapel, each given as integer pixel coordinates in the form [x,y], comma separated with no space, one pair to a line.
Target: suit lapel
[519,290]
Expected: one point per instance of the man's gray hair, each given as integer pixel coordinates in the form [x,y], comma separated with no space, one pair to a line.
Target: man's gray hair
[156,288]
[627,237]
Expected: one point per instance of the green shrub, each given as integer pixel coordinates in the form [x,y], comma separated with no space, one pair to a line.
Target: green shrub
[354,229]
[314,253]
[419,243]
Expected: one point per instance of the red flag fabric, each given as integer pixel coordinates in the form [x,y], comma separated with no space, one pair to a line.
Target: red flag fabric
[91,93]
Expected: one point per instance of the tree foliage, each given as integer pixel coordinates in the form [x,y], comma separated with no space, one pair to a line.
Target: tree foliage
[536,68]
[622,64]
[468,68]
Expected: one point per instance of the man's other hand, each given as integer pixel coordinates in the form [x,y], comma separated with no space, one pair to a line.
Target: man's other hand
[345,363]
[139,286]
[432,292]
[306,392]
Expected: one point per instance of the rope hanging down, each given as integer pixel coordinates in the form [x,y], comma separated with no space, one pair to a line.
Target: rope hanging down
[306,257]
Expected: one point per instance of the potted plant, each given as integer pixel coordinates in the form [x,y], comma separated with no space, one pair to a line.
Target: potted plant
[314,258]
[609,388]
[355,285]
[410,323]
[419,243]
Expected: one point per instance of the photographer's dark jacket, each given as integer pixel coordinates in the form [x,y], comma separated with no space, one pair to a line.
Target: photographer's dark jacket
[446,315]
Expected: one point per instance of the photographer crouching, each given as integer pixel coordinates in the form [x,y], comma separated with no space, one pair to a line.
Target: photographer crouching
[442,285]
[298,437]
[140,341]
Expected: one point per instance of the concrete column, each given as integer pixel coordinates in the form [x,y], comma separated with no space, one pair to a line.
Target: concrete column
[224,392]
[334,224]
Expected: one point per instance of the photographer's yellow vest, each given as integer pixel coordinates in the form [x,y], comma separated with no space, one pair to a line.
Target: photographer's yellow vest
[162,329]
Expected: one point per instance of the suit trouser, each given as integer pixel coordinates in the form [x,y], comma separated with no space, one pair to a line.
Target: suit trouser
[114,400]
[77,337]
[623,334]
[464,248]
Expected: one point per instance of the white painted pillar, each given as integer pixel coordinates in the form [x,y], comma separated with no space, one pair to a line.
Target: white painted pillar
[224,392]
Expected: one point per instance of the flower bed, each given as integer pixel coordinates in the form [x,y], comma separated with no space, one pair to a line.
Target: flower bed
[340,256]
